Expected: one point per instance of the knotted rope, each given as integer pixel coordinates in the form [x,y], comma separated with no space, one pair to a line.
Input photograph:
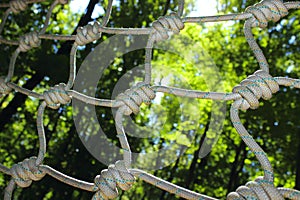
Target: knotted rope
[258,189]
[4,89]
[132,99]
[56,96]
[254,87]
[29,41]
[63,1]
[245,96]
[267,10]
[88,33]
[165,24]
[17,6]
[261,189]
[25,172]
[107,182]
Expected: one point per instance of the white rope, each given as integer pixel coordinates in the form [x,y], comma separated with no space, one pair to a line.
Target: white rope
[62,1]
[88,34]
[259,85]
[17,6]
[133,98]
[56,96]
[166,24]
[4,89]
[259,189]
[29,41]
[25,172]
[267,10]
[107,182]
[246,95]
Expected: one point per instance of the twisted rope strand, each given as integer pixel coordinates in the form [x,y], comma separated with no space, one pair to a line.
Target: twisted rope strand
[262,13]
[9,42]
[169,187]
[181,4]
[132,99]
[289,193]
[23,174]
[107,182]
[83,185]
[56,96]
[160,29]
[6,5]
[9,190]
[127,155]
[147,31]
[4,88]
[85,35]
[4,169]
[17,6]
[284,81]
[49,13]
[41,134]
[3,20]
[251,90]
[12,63]
[252,190]
[245,96]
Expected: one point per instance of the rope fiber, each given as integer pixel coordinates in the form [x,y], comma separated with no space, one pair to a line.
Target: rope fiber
[244,96]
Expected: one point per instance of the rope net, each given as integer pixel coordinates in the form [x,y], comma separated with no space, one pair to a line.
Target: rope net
[244,96]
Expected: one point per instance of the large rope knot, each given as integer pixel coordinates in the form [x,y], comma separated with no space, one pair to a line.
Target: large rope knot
[17,6]
[132,98]
[254,87]
[258,189]
[4,89]
[165,24]
[29,40]
[56,96]
[267,10]
[23,173]
[107,182]
[88,33]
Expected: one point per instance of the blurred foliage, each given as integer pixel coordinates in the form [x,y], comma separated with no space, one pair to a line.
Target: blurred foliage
[208,57]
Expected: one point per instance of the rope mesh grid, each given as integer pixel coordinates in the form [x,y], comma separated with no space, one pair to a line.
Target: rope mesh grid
[244,96]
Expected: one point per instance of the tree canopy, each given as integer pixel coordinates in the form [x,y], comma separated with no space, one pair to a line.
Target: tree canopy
[204,56]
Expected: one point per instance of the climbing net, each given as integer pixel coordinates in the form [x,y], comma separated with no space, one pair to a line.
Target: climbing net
[244,96]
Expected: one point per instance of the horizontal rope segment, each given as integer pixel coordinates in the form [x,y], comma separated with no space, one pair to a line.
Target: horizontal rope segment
[120,175]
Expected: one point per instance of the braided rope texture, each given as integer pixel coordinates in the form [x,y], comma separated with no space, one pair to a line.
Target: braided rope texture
[245,96]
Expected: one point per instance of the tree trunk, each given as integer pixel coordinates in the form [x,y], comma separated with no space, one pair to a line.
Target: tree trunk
[190,178]
[297,184]
[173,170]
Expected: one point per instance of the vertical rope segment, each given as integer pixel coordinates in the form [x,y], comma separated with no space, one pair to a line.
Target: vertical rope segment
[246,95]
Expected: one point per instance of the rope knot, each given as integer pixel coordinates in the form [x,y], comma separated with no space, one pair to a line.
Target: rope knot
[267,10]
[4,89]
[17,6]
[107,182]
[29,40]
[254,87]
[165,24]
[88,33]
[63,1]
[23,173]
[132,98]
[56,96]
[258,189]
